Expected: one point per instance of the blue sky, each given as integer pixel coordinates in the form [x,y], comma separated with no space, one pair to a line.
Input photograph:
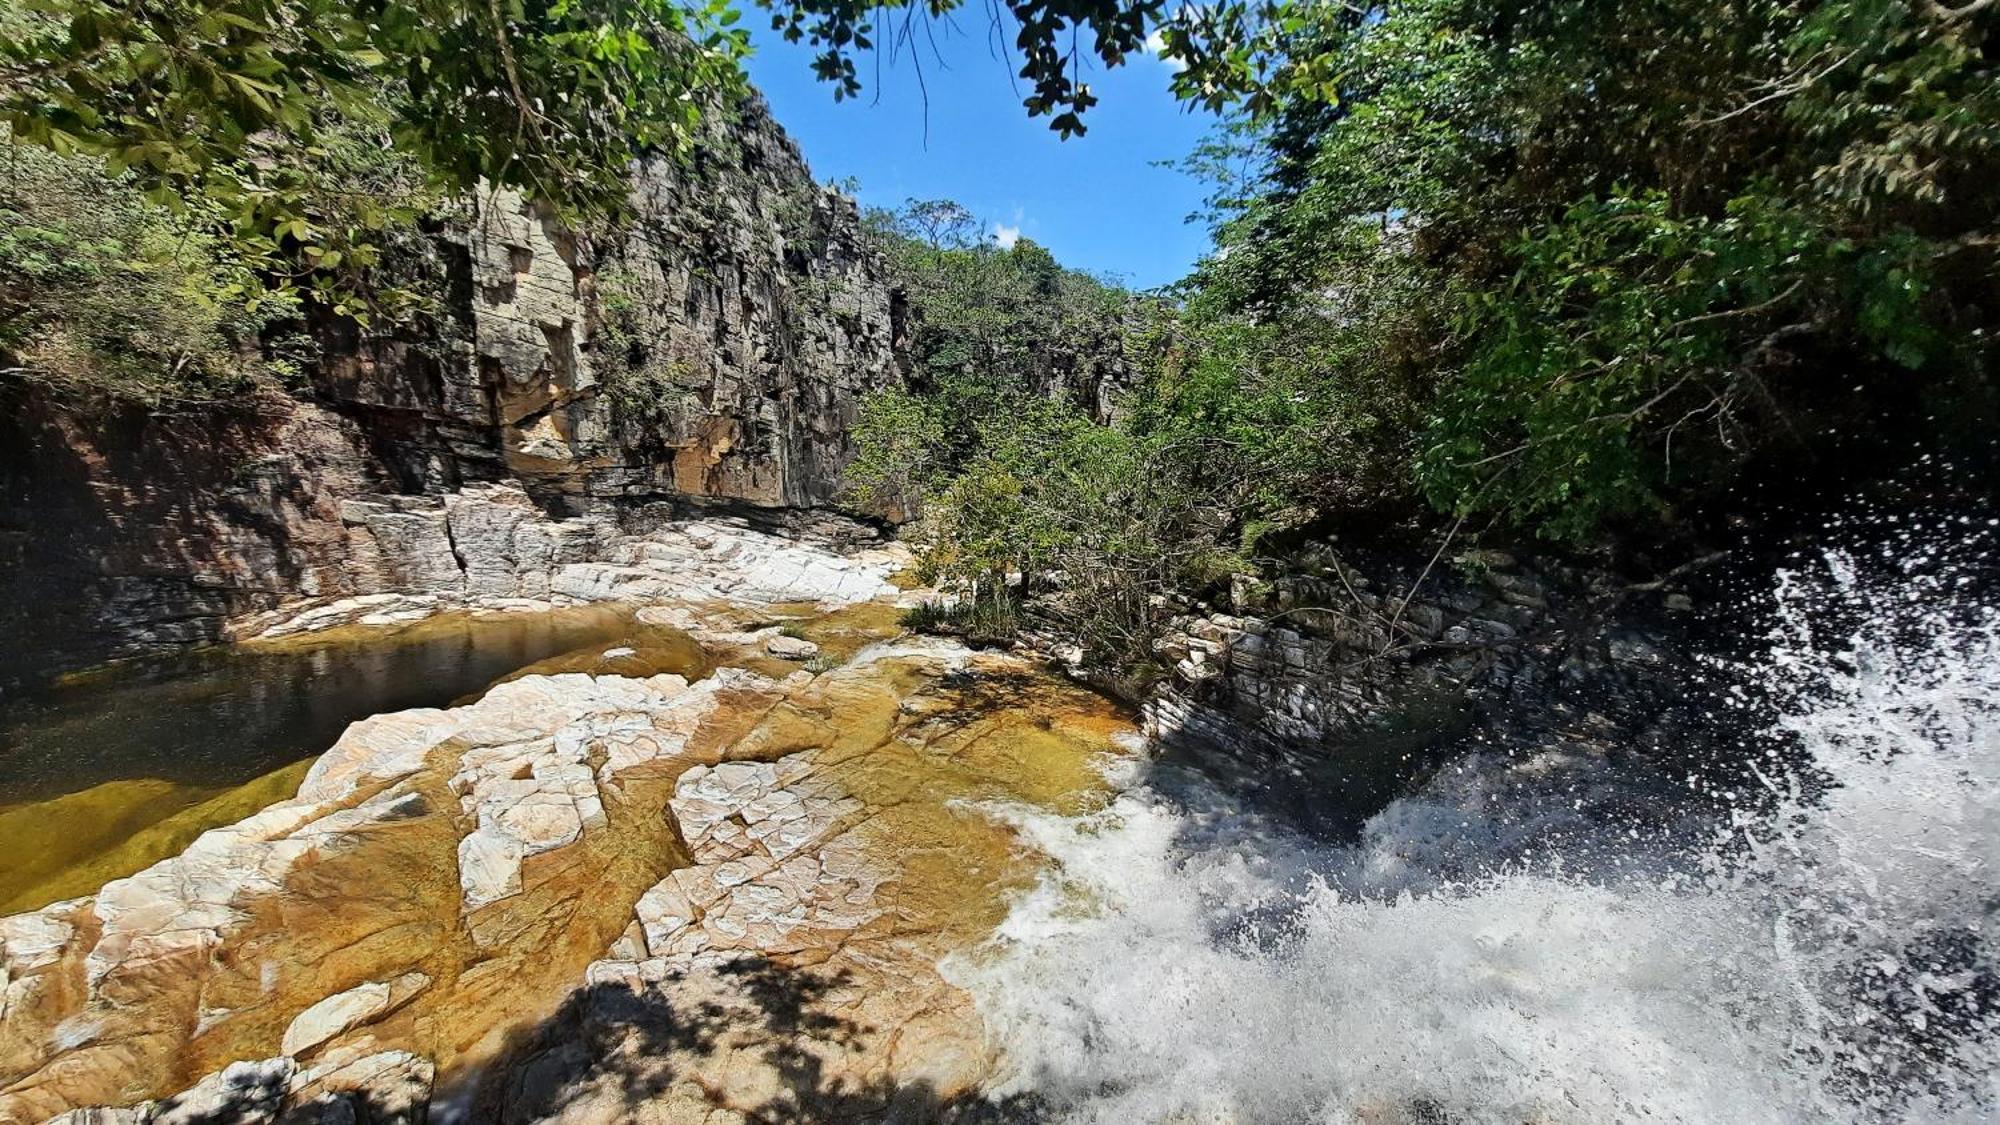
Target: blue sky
[1095,201]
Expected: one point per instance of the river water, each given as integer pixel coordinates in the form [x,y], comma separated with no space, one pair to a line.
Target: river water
[107,772]
[1490,951]
[1514,938]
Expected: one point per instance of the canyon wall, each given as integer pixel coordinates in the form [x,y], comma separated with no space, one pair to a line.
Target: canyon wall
[710,349]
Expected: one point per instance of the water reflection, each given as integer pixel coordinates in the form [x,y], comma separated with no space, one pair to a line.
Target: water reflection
[103,774]
[221,717]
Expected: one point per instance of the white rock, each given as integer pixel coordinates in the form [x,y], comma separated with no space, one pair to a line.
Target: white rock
[392,1086]
[774,866]
[791,648]
[334,1015]
[489,868]
[242,1093]
[105,1115]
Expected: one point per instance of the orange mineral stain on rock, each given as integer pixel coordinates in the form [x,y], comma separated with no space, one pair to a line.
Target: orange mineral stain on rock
[726,895]
[790,971]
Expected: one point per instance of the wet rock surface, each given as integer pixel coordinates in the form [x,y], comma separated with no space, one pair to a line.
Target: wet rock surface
[579,898]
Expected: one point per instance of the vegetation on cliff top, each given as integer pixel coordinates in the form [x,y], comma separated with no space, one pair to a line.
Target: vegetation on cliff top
[1565,269]
[992,331]
[249,112]
[294,143]
[1571,270]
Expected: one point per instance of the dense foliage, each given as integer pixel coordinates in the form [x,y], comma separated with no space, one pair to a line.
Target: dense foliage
[103,293]
[1567,269]
[1563,268]
[1619,254]
[285,120]
[988,328]
[984,311]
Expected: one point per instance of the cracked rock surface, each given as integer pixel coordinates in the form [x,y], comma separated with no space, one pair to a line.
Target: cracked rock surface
[676,565]
[578,898]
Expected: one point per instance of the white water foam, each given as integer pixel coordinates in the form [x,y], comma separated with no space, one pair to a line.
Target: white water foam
[1829,957]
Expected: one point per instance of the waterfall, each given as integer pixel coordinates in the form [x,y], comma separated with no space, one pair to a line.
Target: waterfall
[1491,951]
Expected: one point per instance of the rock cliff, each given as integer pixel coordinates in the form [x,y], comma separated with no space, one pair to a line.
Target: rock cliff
[1339,677]
[709,349]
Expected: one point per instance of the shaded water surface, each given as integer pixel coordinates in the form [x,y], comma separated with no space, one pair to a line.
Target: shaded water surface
[103,773]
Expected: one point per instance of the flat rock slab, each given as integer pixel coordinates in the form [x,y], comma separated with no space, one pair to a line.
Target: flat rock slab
[489,549]
[575,892]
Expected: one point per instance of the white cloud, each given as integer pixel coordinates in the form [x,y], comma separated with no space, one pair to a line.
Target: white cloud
[1006,236]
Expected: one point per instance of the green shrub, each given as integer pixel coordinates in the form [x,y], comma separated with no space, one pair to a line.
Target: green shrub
[102,293]
[1596,260]
[991,617]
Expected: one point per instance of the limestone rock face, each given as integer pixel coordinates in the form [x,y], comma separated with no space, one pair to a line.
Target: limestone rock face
[716,346]
[711,351]
[682,563]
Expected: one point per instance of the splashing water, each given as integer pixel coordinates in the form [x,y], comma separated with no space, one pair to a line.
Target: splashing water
[1827,955]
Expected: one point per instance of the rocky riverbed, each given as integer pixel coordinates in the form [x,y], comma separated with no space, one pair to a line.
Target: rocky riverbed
[586,895]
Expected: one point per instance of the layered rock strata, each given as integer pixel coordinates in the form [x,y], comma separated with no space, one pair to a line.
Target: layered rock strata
[489,548]
[1347,674]
[712,350]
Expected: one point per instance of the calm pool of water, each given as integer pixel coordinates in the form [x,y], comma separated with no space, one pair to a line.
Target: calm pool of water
[223,716]
[107,772]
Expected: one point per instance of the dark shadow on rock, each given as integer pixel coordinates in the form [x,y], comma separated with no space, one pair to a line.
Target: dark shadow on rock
[249,1095]
[239,1095]
[640,1042]
[603,1029]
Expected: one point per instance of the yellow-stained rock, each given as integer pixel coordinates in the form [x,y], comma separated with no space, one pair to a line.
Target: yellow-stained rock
[580,898]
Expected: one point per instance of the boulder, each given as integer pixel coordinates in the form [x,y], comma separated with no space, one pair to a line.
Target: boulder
[324,913]
[791,648]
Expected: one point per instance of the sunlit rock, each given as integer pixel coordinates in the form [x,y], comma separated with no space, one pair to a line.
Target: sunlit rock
[469,892]
[791,648]
[384,1088]
[344,1010]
